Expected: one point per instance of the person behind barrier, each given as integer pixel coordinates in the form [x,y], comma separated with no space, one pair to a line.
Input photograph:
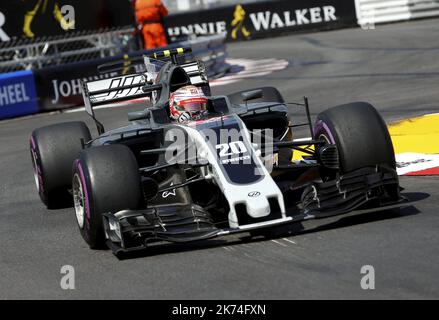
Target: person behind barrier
[149,15]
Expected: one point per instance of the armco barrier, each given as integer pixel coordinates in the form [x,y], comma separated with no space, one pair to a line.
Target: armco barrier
[371,12]
[18,96]
[59,87]
[264,19]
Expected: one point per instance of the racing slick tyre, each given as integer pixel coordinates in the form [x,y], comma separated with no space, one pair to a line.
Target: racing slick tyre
[360,134]
[53,150]
[105,179]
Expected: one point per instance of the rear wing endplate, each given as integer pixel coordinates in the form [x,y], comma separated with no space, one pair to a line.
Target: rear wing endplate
[114,90]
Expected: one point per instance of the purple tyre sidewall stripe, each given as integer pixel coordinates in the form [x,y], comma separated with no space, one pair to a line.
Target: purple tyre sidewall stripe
[32,141]
[84,188]
[321,125]
[37,165]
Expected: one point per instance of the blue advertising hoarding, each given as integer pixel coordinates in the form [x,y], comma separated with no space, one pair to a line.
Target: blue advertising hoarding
[18,95]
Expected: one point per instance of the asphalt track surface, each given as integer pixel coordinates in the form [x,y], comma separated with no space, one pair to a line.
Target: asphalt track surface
[394,67]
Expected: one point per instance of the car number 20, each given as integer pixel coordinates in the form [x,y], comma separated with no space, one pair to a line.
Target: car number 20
[232,148]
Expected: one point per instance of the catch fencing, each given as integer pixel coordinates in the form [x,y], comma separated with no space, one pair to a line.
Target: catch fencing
[23,54]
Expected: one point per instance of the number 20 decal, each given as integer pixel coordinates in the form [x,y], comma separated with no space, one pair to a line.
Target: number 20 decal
[232,148]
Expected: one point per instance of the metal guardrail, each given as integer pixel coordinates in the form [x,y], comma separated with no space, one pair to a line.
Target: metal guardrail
[383,11]
[56,51]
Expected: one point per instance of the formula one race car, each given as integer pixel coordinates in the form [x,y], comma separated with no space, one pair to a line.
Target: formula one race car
[194,166]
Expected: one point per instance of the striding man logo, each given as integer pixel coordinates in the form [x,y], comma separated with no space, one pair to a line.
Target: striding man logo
[238,23]
[64,15]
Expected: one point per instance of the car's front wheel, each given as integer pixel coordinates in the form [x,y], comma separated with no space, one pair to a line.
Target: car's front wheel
[360,134]
[105,180]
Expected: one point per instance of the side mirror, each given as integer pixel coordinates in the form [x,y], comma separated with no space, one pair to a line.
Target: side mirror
[220,105]
[252,95]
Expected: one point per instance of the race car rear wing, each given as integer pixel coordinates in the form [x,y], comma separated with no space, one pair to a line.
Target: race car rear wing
[113,90]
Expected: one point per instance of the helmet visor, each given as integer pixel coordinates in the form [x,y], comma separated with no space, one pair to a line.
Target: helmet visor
[194,105]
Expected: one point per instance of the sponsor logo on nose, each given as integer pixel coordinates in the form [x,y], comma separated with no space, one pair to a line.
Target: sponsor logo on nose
[254,194]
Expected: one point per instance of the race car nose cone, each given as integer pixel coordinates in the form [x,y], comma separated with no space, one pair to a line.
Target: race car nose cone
[257,205]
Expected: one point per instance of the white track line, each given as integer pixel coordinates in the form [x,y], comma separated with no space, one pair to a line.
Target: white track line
[290,241]
[413,162]
[279,243]
[251,69]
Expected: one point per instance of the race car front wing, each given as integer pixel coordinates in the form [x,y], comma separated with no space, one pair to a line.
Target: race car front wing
[364,190]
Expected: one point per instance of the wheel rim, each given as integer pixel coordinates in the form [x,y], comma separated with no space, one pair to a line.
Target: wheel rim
[36,173]
[79,200]
[324,137]
[329,174]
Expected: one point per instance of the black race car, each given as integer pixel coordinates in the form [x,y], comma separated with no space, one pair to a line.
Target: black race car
[229,172]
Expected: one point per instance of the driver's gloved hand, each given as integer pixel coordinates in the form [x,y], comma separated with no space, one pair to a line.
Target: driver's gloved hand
[185,117]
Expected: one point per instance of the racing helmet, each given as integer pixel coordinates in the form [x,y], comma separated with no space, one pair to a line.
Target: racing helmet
[187,103]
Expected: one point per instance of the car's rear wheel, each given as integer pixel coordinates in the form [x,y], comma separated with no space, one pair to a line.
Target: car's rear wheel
[53,150]
[105,180]
[360,134]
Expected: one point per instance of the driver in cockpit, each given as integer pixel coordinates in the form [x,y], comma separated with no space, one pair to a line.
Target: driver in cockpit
[188,104]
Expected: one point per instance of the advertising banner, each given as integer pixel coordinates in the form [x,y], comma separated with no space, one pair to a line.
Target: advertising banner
[34,19]
[264,19]
[60,87]
[17,94]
